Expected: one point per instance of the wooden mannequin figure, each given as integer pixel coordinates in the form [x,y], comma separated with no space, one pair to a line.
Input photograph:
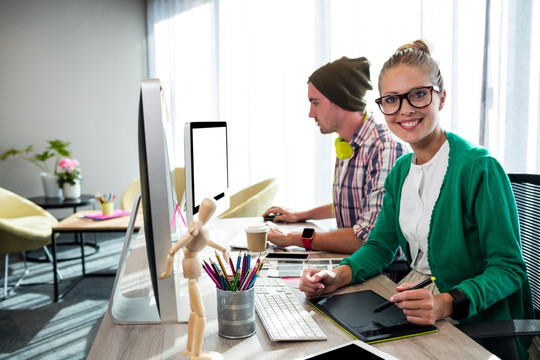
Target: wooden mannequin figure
[194,241]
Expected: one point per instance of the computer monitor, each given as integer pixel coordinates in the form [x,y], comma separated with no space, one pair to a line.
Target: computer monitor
[206,166]
[169,301]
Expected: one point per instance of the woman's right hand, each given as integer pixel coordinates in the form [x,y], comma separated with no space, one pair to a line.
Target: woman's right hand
[316,282]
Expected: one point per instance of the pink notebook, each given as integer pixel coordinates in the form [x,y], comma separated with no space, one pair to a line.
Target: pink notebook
[116,213]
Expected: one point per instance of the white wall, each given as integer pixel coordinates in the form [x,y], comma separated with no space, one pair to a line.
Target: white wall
[71,70]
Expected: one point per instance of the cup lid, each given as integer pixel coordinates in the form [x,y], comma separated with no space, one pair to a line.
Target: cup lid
[256,228]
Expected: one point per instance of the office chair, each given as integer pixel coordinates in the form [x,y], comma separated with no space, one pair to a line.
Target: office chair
[129,195]
[252,201]
[24,226]
[526,189]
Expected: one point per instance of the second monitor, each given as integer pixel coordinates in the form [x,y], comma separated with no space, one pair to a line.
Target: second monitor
[206,165]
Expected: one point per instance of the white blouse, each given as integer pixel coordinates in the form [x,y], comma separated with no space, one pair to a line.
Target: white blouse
[420,192]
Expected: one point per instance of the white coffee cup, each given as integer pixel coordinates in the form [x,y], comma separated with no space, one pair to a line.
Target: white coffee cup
[256,234]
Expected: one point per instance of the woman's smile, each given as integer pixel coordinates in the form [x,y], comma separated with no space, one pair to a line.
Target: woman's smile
[409,124]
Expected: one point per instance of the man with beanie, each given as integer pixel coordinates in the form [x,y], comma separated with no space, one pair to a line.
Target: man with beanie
[366,151]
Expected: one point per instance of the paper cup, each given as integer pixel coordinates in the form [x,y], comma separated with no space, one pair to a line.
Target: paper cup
[257,235]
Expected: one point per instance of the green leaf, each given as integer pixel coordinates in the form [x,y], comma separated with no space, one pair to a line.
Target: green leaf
[57,148]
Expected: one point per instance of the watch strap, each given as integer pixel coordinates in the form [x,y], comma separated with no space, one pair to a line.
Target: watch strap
[460,305]
[307,241]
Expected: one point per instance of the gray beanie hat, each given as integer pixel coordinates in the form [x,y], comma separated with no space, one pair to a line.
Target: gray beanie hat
[344,82]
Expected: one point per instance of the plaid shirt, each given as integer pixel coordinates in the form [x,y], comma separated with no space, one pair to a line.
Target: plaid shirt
[359,180]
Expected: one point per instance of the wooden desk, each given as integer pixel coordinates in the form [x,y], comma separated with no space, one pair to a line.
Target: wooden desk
[169,340]
[75,223]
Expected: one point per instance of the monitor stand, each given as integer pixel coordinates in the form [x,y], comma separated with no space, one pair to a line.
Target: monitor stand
[141,309]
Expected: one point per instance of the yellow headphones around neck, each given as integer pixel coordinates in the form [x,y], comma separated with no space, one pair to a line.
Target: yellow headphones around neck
[344,150]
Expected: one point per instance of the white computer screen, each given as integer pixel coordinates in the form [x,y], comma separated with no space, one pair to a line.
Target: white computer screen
[206,164]
[209,162]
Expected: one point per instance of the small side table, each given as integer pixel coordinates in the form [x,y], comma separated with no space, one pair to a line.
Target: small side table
[63,203]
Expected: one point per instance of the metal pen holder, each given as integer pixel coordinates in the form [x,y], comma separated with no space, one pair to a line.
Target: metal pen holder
[236,313]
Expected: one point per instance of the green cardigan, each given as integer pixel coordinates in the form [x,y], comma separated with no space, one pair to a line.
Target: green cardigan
[473,239]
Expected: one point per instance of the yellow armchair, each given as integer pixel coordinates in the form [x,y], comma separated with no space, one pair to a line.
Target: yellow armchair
[129,195]
[252,201]
[24,226]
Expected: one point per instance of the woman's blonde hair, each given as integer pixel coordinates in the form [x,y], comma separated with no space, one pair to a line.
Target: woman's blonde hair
[415,54]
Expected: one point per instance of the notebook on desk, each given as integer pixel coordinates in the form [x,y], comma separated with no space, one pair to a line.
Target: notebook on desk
[99,216]
[353,312]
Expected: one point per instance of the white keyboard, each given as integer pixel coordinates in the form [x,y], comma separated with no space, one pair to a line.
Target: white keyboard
[281,313]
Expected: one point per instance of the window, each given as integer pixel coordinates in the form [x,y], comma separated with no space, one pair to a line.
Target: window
[247,62]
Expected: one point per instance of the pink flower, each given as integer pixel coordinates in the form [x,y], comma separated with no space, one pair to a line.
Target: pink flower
[70,172]
[68,164]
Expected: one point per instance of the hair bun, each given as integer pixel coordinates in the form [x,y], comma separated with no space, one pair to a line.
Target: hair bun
[417,45]
[416,54]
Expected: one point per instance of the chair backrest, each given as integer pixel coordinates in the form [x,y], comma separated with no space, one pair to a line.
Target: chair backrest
[24,226]
[253,200]
[179,178]
[13,205]
[129,195]
[526,189]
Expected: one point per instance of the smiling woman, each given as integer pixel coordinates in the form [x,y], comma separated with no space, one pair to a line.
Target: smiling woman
[448,197]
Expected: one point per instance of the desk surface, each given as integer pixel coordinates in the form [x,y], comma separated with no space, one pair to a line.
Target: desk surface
[77,223]
[169,340]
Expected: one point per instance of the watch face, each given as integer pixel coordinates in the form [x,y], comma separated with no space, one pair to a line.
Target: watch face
[308,233]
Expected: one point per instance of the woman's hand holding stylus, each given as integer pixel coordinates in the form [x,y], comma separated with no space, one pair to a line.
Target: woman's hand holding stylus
[420,306]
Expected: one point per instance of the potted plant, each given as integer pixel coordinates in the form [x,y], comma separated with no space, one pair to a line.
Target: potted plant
[56,150]
[69,178]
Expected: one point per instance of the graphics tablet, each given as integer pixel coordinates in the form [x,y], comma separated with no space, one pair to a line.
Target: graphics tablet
[353,312]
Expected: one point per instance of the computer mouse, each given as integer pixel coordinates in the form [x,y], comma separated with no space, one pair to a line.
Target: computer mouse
[271,216]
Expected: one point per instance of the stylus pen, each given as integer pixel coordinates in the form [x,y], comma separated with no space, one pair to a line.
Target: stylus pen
[388,303]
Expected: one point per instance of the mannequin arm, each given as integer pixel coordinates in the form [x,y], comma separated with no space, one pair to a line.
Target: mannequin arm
[217,246]
[220,248]
[169,261]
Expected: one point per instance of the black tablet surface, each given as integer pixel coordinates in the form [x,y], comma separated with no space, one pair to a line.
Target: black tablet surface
[353,312]
[352,350]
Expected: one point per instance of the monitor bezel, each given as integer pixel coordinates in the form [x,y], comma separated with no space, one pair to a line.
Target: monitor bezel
[168,302]
[158,196]
[192,209]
